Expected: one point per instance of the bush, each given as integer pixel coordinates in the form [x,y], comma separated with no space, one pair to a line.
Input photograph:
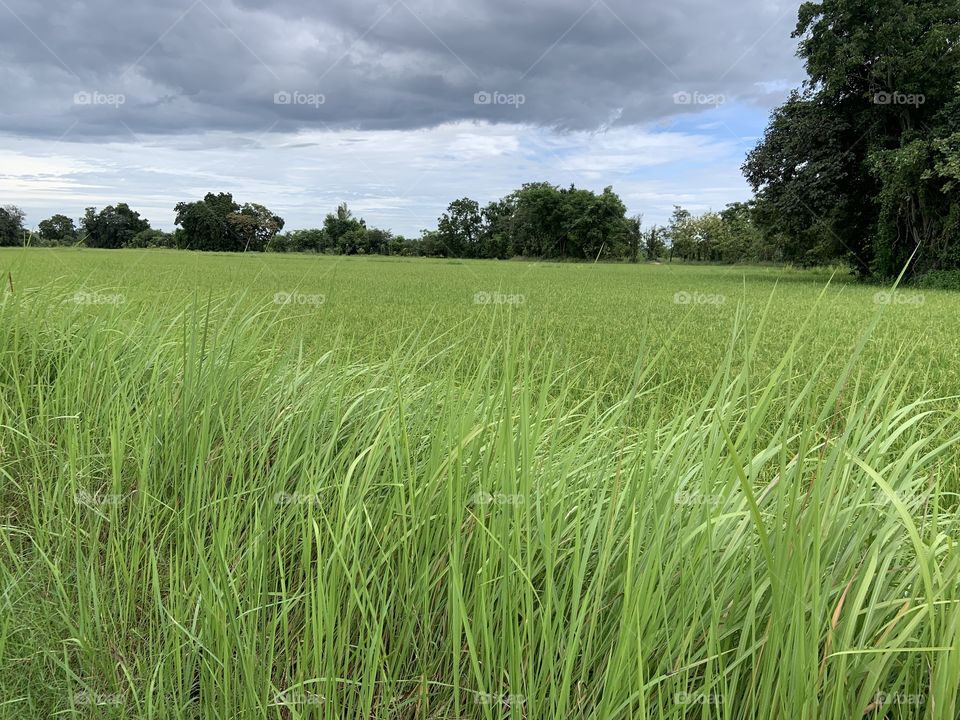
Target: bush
[939,280]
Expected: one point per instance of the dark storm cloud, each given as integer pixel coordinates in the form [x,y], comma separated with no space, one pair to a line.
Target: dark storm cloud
[116,68]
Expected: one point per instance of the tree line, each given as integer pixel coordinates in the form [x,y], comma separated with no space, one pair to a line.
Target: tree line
[539,220]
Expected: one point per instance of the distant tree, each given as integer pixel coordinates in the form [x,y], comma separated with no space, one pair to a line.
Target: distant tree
[538,219]
[378,242]
[610,213]
[353,241]
[497,219]
[460,228]
[206,224]
[220,224]
[112,227]
[254,226]
[654,243]
[680,233]
[57,230]
[343,231]
[634,236]
[152,238]
[11,225]
[430,245]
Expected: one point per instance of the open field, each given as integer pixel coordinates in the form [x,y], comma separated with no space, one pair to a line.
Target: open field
[609,316]
[329,487]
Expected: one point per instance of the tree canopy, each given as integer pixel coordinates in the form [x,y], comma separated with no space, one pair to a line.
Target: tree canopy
[861,163]
[11,225]
[112,227]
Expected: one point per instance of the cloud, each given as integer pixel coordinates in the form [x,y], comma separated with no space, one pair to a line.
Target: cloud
[394,106]
[216,65]
[398,179]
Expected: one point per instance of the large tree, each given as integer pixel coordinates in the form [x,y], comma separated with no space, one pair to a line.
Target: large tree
[855,164]
[460,228]
[254,226]
[113,227]
[57,230]
[11,225]
[220,224]
[343,232]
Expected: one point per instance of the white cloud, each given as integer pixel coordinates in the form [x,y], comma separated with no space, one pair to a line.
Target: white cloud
[394,178]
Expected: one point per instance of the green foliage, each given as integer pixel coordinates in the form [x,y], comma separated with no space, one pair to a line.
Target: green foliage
[11,226]
[342,232]
[539,220]
[153,238]
[113,227]
[861,164]
[654,244]
[459,228]
[254,226]
[939,280]
[218,223]
[633,237]
[57,230]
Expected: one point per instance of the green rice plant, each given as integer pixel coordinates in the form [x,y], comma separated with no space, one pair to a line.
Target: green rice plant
[203,523]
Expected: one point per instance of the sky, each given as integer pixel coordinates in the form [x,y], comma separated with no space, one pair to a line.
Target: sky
[394,107]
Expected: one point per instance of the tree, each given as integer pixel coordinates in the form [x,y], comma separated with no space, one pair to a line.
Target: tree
[655,244]
[460,228]
[152,238]
[634,236]
[848,167]
[218,223]
[379,242]
[309,240]
[343,231]
[430,245]
[254,226]
[11,226]
[57,230]
[205,223]
[549,222]
[497,218]
[112,227]
[537,223]
[680,233]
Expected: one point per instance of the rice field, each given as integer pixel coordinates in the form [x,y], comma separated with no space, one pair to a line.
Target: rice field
[240,486]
